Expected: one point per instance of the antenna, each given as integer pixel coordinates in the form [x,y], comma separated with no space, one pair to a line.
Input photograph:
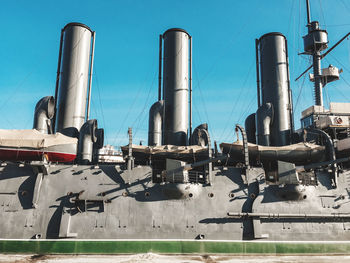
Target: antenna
[308,14]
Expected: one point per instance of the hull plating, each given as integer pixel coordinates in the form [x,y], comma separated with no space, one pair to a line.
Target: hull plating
[11,154]
[107,202]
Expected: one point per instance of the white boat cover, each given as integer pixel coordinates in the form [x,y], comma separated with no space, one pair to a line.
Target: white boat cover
[167,149]
[301,153]
[301,146]
[33,139]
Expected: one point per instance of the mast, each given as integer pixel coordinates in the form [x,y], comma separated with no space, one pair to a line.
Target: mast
[314,42]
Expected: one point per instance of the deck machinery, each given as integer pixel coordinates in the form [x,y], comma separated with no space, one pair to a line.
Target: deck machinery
[178,195]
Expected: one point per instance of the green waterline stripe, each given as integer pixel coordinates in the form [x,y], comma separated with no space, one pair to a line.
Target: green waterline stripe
[168,247]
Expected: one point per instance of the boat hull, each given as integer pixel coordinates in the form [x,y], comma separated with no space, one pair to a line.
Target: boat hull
[20,154]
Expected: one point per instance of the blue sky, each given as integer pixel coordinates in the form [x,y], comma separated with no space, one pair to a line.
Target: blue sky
[126,57]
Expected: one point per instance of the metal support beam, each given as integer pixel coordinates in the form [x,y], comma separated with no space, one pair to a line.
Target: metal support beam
[335,216]
[245,144]
[335,45]
[245,149]
[257,71]
[210,155]
[190,88]
[318,78]
[130,158]
[40,169]
[160,69]
[291,112]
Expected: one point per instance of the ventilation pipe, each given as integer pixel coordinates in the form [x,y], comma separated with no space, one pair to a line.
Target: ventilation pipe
[264,119]
[87,139]
[73,77]
[176,86]
[200,135]
[250,128]
[155,124]
[98,144]
[274,89]
[44,112]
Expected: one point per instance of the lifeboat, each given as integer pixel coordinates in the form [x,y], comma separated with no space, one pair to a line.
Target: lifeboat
[31,145]
[299,153]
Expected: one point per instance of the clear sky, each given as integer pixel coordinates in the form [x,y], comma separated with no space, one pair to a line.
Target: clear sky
[126,57]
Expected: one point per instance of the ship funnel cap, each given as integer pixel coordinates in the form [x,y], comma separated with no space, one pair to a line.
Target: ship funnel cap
[77,24]
[271,34]
[176,30]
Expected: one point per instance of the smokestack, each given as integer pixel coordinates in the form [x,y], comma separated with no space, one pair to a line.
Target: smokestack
[74,68]
[176,86]
[275,89]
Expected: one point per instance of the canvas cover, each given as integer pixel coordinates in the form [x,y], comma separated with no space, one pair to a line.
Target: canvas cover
[299,153]
[301,146]
[167,149]
[33,139]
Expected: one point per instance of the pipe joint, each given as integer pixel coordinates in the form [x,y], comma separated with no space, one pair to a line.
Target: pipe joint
[264,120]
[44,113]
[155,124]
[87,139]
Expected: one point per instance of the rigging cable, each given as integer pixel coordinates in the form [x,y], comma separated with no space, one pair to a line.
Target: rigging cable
[290,17]
[237,99]
[141,118]
[341,93]
[344,67]
[203,101]
[197,111]
[322,14]
[341,77]
[245,112]
[15,90]
[234,39]
[346,7]
[337,25]
[99,100]
[116,140]
[300,91]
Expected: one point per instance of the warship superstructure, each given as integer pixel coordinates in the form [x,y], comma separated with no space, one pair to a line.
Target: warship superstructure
[274,190]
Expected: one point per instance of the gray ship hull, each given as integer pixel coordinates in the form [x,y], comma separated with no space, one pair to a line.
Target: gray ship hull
[105,209]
